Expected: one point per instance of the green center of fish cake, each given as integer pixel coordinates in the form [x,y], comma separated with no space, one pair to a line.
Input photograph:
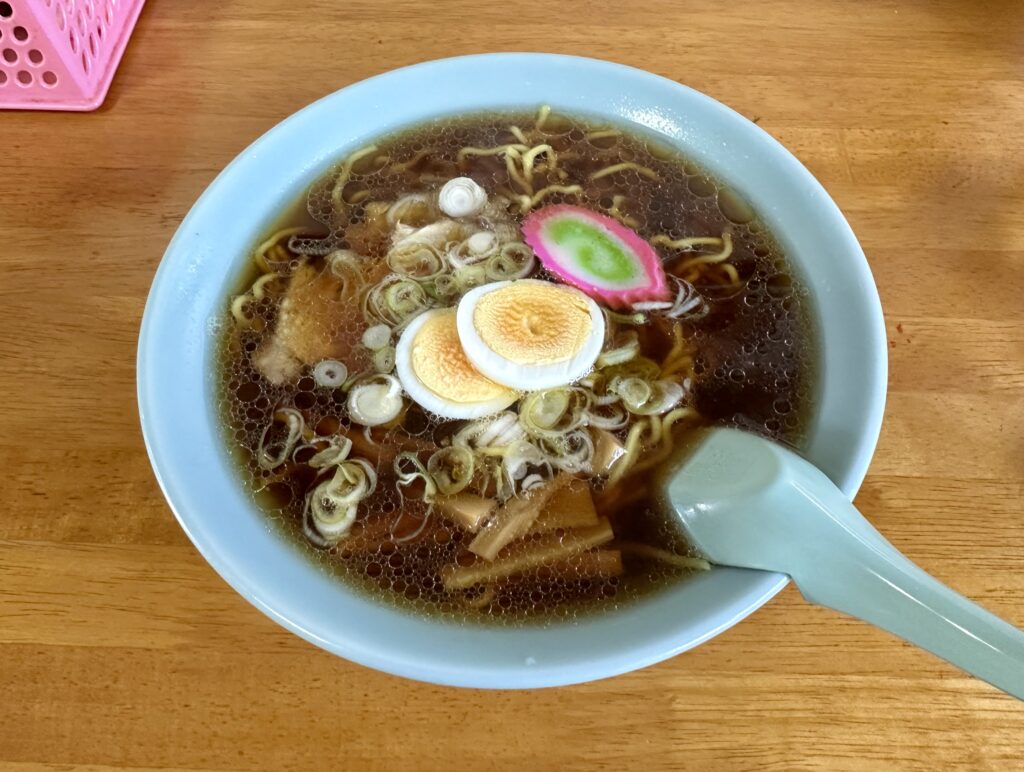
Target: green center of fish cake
[594,251]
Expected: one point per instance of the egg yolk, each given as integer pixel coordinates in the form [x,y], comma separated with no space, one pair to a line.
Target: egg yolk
[440,364]
[530,323]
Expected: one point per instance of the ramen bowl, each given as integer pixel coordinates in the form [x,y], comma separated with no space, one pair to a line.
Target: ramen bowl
[176,360]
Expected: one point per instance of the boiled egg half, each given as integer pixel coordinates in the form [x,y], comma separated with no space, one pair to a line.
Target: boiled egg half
[528,334]
[434,371]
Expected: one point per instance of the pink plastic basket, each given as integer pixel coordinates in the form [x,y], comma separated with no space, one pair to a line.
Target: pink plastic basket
[61,54]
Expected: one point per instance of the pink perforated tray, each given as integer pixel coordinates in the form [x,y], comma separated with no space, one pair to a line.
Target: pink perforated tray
[61,54]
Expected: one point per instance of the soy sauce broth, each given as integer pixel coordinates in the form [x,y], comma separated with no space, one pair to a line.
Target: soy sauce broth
[752,364]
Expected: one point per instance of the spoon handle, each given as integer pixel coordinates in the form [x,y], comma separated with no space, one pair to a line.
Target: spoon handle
[845,564]
[748,502]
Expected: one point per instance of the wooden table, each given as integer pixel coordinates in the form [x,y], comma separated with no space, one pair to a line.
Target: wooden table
[120,648]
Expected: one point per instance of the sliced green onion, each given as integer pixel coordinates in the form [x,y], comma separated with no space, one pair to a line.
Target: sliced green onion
[332,521]
[333,503]
[330,373]
[337,451]
[665,395]
[646,397]
[444,288]
[475,249]
[266,457]
[415,260]
[635,318]
[544,409]
[514,261]
[416,207]
[627,347]
[404,298]
[375,401]
[377,336]
[571,452]
[451,469]
[610,418]
[554,412]
[394,300]
[384,359]
[639,367]
[487,432]
[688,302]
[471,276]
[518,456]
[531,481]
[408,469]
[635,392]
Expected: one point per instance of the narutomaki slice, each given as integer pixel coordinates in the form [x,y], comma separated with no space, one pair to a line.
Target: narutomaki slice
[597,255]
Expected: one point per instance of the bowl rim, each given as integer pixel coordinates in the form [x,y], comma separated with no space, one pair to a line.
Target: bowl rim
[644,653]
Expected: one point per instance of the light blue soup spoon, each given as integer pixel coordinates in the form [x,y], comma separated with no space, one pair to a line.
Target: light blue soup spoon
[748,502]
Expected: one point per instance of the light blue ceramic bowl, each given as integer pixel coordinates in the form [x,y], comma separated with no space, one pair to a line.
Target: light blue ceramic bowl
[176,344]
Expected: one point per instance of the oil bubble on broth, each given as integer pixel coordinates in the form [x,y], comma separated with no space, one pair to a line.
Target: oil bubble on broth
[546,509]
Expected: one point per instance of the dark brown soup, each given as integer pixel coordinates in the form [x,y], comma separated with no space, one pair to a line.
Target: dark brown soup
[542,509]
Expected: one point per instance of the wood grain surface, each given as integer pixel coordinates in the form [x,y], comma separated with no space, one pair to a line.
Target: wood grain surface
[121,649]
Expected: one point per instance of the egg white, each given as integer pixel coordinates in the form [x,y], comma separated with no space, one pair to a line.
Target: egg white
[526,377]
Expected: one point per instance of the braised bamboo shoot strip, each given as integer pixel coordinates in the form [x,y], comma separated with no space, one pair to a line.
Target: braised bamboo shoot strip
[481,598]
[546,550]
[467,510]
[583,566]
[608,449]
[514,519]
[595,564]
[663,556]
[571,507]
